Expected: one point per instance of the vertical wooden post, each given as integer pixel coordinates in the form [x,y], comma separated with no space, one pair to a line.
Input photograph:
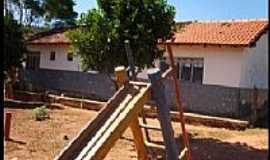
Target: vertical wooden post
[7,125]
[121,77]
[163,113]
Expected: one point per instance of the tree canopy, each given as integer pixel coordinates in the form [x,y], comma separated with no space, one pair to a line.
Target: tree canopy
[13,43]
[37,11]
[101,37]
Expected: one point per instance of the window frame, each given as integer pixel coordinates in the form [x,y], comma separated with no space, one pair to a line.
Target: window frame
[193,61]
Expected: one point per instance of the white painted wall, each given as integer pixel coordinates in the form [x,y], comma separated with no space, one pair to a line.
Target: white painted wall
[60,62]
[222,65]
[255,65]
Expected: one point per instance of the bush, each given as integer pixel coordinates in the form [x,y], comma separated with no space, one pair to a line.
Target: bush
[41,113]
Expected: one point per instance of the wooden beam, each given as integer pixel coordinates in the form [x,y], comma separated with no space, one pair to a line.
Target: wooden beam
[88,131]
[7,125]
[128,110]
[121,76]
[150,127]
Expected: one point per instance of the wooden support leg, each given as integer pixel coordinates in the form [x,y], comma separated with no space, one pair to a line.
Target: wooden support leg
[7,126]
[138,140]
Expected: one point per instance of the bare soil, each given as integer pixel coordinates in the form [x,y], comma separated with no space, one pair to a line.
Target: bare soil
[43,140]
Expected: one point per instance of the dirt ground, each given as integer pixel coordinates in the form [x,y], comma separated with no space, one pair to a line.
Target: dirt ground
[42,140]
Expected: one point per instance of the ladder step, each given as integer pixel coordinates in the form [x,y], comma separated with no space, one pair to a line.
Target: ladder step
[154,145]
[150,127]
[182,154]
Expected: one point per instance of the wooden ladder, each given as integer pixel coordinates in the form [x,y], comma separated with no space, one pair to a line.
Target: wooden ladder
[171,72]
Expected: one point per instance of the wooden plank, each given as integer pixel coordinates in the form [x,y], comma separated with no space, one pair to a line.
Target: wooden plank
[121,77]
[150,127]
[7,125]
[154,145]
[158,94]
[78,143]
[182,154]
[138,139]
[117,127]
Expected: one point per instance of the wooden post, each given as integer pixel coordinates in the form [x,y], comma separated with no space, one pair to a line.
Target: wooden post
[121,77]
[163,113]
[7,125]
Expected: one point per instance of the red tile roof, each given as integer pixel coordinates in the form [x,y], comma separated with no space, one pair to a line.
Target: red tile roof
[240,33]
[55,36]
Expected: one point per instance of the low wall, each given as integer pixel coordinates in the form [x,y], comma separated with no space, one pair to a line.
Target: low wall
[75,84]
[204,99]
[216,100]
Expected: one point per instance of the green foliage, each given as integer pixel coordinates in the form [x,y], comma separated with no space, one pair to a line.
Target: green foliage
[60,10]
[30,11]
[41,113]
[102,33]
[13,43]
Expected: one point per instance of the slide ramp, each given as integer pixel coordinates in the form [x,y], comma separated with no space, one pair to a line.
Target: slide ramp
[99,135]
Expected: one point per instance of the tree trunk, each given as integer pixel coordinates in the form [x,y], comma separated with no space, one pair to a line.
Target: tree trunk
[12,77]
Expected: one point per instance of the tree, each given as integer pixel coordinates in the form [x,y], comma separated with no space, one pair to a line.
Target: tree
[36,11]
[13,43]
[54,10]
[102,33]
[13,50]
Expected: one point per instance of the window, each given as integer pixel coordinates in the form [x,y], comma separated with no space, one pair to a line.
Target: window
[52,56]
[186,72]
[191,69]
[33,60]
[197,73]
[70,56]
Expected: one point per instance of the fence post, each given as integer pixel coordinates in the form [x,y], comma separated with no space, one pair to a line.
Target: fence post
[122,79]
[163,109]
[7,125]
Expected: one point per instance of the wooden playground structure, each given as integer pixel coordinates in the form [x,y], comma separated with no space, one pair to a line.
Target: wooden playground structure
[96,139]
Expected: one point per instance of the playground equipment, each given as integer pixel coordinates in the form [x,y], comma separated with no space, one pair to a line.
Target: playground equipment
[96,139]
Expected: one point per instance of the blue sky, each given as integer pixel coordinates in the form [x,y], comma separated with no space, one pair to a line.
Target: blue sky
[205,9]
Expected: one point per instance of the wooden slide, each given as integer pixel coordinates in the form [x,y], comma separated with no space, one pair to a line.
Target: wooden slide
[96,139]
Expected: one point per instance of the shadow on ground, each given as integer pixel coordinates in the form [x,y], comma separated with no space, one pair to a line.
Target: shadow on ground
[214,149]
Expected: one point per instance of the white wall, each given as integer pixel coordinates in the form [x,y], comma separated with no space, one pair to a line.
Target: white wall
[60,62]
[255,65]
[222,65]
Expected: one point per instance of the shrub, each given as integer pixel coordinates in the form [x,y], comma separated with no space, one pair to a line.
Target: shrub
[41,113]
